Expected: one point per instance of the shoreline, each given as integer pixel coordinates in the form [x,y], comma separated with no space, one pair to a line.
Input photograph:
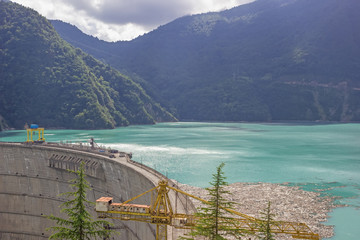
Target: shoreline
[288,203]
[275,122]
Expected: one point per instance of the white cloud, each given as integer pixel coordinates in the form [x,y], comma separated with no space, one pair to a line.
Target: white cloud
[113,20]
[203,6]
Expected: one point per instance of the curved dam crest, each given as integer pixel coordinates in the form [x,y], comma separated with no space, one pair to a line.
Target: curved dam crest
[33,176]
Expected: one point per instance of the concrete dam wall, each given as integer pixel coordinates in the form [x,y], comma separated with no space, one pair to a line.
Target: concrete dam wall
[33,176]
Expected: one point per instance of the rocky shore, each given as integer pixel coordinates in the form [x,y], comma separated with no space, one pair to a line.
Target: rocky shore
[288,203]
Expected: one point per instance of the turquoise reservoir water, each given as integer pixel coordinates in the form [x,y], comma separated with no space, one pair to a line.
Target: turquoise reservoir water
[312,156]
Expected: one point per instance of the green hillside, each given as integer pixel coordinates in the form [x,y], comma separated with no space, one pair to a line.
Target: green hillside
[267,60]
[45,80]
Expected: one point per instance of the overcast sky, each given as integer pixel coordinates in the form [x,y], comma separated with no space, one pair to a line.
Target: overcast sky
[114,20]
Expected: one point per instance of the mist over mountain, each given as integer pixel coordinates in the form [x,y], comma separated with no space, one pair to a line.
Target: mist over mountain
[267,60]
[45,80]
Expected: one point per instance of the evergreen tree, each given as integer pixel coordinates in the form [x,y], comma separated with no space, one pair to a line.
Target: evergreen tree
[79,225]
[213,221]
[265,225]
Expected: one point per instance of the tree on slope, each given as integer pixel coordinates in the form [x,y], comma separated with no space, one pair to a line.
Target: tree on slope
[265,225]
[213,221]
[79,225]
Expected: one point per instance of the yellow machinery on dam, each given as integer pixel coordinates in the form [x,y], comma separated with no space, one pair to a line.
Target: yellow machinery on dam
[161,213]
[30,131]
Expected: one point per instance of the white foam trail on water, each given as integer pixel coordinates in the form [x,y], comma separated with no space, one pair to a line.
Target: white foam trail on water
[162,149]
[325,172]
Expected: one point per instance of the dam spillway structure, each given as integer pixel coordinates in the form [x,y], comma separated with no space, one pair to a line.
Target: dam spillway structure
[33,175]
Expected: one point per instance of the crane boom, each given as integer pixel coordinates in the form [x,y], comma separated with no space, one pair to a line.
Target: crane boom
[160,212]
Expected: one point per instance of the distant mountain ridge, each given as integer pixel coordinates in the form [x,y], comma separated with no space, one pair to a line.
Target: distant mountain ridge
[44,80]
[263,61]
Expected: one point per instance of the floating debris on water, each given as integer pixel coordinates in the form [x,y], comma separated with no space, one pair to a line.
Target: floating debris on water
[288,203]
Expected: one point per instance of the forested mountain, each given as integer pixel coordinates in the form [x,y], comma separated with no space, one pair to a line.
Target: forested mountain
[267,60]
[45,80]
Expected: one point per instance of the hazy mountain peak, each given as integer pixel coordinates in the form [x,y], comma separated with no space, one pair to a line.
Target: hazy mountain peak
[266,60]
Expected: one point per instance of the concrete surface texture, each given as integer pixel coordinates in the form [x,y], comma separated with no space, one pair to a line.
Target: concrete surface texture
[33,176]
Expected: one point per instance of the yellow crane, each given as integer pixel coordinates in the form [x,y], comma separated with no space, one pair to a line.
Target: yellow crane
[34,128]
[160,212]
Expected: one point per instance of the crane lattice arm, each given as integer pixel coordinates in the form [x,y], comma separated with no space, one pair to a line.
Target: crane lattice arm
[160,213]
